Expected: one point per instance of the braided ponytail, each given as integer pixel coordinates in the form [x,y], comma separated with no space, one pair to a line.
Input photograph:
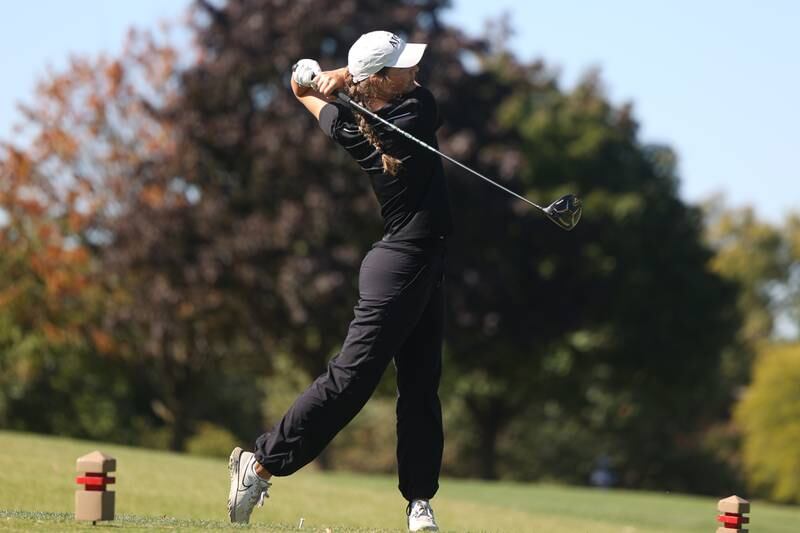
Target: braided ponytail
[363,92]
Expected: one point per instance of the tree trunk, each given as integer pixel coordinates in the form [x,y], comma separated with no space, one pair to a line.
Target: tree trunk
[487,457]
[489,422]
[179,430]
[325,459]
[179,401]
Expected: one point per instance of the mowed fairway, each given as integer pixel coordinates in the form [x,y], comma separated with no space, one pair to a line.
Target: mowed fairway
[165,491]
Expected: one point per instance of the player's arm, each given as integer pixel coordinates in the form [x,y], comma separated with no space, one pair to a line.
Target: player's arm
[315,88]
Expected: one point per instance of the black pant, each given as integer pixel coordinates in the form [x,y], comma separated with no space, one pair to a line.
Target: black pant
[400,315]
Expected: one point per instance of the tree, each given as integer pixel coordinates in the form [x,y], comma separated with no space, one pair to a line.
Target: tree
[105,161]
[768,415]
[53,376]
[617,327]
[300,209]
[758,257]
[227,228]
[753,254]
[211,251]
[789,294]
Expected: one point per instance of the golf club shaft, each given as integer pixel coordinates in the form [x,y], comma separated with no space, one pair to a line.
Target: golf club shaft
[349,101]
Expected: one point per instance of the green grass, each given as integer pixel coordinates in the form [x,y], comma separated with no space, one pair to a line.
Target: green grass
[159,491]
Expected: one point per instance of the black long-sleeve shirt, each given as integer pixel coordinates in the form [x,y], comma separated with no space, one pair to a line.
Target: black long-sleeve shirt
[414,203]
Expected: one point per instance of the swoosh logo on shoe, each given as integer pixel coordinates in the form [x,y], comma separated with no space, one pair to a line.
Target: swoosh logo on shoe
[242,483]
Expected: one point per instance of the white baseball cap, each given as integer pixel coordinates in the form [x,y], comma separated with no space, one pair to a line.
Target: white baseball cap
[377,49]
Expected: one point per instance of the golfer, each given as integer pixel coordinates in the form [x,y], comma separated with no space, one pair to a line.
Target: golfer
[400,310]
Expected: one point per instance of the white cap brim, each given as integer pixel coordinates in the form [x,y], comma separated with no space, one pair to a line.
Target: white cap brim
[410,56]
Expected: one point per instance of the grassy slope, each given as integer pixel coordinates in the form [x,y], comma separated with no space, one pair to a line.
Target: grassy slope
[166,491]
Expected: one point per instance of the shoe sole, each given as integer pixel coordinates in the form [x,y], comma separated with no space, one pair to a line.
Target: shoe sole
[233,470]
[423,528]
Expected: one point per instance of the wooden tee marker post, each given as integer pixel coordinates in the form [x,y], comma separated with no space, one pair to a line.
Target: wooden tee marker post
[732,511]
[93,502]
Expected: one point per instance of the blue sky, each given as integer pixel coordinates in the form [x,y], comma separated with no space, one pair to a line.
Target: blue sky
[717,80]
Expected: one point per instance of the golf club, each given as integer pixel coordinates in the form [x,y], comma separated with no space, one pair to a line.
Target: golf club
[564,212]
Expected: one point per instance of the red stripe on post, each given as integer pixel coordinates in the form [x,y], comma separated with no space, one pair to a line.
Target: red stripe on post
[732,519]
[92,481]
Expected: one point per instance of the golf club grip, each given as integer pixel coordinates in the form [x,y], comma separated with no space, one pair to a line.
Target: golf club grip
[341,95]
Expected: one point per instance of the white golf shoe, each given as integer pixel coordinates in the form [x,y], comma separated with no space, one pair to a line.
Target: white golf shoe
[420,516]
[248,489]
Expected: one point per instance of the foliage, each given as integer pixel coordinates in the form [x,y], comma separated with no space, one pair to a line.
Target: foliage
[53,375]
[769,417]
[211,440]
[207,234]
[616,327]
[106,162]
[753,254]
[788,295]
[749,251]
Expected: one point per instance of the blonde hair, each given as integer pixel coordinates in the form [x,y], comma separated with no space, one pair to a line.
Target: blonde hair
[364,92]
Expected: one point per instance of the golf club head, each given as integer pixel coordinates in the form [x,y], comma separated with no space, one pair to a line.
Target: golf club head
[566,211]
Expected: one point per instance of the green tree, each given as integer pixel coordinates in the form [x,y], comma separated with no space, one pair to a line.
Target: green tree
[615,328]
[769,416]
[789,300]
[601,324]
[227,228]
[761,258]
[756,256]
[752,253]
